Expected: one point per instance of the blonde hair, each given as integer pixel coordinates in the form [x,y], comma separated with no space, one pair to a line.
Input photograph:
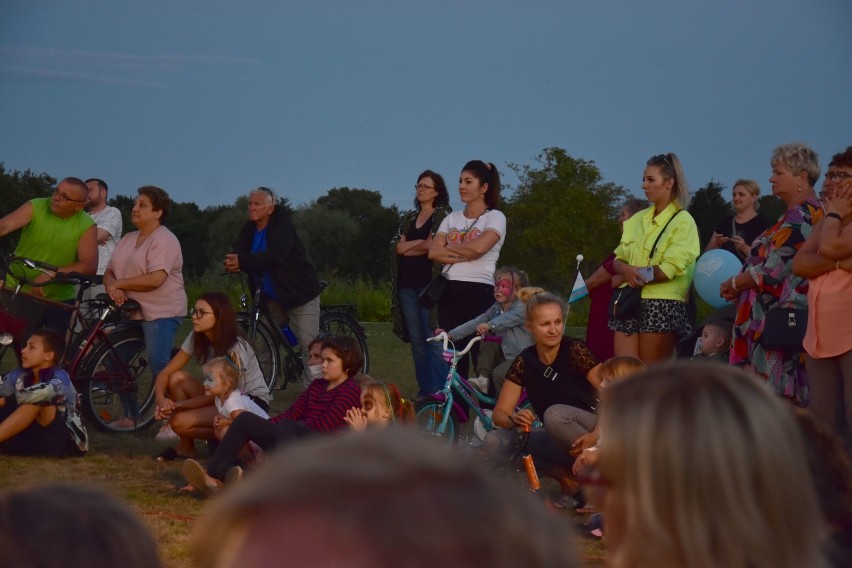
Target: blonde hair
[518,276]
[670,168]
[620,367]
[704,462]
[229,369]
[534,298]
[798,158]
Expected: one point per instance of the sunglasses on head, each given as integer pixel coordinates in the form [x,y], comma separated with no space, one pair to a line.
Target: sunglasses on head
[660,159]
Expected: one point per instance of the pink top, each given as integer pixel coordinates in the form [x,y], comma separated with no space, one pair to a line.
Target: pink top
[160,251]
[829,306]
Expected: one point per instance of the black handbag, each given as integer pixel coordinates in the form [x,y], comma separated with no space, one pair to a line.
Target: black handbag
[784,329]
[624,303]
[433,291]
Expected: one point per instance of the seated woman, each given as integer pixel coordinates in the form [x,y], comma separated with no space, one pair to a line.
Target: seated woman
[36,400]
[699,465]
[189,413]
[504,318]
[560,376]
[321,408]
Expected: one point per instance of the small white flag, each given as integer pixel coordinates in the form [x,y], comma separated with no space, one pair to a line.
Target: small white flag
[579,291]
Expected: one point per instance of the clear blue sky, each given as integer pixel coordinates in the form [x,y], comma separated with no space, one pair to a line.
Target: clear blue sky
[209,98]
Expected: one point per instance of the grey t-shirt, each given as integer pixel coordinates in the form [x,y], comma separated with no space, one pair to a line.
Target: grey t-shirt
[251,377]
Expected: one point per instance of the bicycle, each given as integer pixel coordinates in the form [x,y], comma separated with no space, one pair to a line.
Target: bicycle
[105,355]
[439,414]
[268,338]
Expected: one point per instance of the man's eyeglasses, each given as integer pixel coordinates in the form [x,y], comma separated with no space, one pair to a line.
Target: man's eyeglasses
[423,186]
[660,159]
[198,313]
[64,197]
[837,176]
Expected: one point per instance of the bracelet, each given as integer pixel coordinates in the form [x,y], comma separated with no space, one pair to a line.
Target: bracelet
[834,215]
[734,283]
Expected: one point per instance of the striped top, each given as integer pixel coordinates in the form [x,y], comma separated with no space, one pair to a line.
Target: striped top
[323,410]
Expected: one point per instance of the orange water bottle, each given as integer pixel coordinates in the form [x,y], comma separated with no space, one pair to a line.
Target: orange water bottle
[532,474]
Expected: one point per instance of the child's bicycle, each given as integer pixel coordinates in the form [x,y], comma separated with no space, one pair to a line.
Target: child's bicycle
[439,414]
[105,350]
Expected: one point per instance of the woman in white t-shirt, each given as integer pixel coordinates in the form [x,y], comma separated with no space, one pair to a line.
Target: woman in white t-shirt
[468,243]
[181,401]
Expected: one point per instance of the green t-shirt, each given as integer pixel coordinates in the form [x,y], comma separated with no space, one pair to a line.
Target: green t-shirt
[47,238]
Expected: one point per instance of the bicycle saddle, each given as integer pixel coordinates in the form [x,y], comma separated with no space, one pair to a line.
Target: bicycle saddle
[129,306]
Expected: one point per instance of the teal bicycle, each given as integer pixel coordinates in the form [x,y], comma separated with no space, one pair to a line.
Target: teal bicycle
[439,414]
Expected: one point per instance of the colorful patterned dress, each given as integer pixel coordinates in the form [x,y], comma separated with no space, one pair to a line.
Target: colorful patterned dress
[770,264]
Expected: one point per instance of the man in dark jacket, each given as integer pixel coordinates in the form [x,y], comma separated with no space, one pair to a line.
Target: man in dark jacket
[270,251]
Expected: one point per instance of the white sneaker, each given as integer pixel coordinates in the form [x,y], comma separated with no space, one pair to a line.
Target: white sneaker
[481,383]
[166,434]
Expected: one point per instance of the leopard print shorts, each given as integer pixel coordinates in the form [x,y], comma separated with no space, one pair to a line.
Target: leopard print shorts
[655,316]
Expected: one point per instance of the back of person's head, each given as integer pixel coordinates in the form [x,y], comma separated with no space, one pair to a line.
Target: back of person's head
[348,350]
[381,498]
[634,205]
[486,172]
[620,367]
[57,525]
[702,463]
[534,298]
[53,343]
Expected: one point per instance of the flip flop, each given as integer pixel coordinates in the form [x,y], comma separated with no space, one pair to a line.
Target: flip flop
[167,455]
[195,475]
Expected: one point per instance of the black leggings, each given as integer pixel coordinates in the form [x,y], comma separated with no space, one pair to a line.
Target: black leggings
[461,302]
[248,427]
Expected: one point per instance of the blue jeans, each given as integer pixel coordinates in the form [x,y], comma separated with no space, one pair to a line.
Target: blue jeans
[159,339]
[429,368]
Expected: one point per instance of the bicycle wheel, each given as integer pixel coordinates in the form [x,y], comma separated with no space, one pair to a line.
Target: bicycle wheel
[265,349]
[116,381]
[340,323]
[430,413]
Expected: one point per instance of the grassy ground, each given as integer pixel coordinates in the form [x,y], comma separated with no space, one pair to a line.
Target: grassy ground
[123,465]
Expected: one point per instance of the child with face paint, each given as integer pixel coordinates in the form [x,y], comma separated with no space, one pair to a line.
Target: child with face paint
[221,376]
[381,405]
[506,319]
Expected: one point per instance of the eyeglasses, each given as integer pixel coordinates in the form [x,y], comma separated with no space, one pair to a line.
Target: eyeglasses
[63,197]
[660,159]
[837,176]
[424,186]
[198,313]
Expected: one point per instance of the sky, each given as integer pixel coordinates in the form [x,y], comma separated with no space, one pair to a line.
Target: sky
[209,99]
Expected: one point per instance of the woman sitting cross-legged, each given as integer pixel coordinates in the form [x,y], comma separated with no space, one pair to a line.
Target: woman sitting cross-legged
[321,408]
[181,401]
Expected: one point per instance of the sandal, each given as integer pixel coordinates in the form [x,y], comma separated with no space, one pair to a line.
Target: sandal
[167,455]
[197,477]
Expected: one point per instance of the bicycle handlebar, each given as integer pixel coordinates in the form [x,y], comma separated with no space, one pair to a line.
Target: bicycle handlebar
[49,269]
[473,340]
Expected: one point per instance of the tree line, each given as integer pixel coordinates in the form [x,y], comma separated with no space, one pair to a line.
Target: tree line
[561,207]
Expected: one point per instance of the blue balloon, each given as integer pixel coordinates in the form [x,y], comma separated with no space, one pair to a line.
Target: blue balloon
[713,268]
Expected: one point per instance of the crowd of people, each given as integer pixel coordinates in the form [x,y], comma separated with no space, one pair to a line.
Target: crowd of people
[690,463]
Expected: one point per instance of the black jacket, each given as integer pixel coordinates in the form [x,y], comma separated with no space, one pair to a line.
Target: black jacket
[294,278]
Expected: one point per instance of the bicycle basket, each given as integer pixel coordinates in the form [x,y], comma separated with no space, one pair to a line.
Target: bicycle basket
[20,313]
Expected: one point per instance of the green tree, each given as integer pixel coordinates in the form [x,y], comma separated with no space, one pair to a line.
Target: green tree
[770,207]
[560,209]
[709,208]
[327,235]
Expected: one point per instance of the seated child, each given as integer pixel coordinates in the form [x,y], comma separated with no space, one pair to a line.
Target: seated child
[715,342]
[37,400]
[381,405]
[221,376]
[319,409]
[505,318]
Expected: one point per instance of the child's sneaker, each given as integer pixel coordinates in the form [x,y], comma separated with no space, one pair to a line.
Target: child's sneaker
[480,383]
[166,434]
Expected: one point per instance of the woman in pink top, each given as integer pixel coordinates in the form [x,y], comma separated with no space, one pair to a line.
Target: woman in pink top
[826,260]
[146,267]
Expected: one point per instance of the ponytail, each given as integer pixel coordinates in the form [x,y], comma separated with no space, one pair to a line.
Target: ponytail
[486,172]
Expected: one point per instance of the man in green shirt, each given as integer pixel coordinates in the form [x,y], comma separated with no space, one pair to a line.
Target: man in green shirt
[55,230]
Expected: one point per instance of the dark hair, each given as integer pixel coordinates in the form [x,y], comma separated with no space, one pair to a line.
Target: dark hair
[486,173]
[842,159]
[634,205]
[348,350]
[159,199]
[59,524]
[443,197]
[225,332]
[79,183]
[53,343]
[101,183]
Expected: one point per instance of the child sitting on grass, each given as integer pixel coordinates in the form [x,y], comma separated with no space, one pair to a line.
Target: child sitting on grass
[221,376]
[381,405]
[506,318]
[37,400]
[715,342]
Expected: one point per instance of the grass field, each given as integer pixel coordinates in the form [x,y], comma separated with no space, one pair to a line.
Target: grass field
[123,464]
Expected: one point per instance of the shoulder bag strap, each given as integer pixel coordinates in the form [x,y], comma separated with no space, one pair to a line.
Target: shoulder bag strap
[654,248]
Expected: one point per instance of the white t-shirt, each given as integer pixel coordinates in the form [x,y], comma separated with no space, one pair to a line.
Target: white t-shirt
[238,401]
[251,377]
[459,228]
[108,219]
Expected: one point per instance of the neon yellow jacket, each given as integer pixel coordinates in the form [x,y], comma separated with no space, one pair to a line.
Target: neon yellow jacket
[676,252]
